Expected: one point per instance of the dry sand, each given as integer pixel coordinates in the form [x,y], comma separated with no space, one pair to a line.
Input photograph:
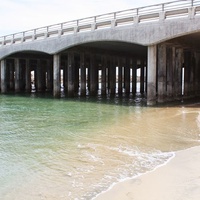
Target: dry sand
[179,179]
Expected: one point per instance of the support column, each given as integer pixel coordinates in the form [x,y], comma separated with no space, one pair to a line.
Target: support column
[83,74]
[151,85]
[17,75]
[142,77]
[3,77]
[49,75]
[71,75]
[127,76]
[11,72]
[0,76]
[93,75]
[187,63]
[192,75]
[170,72]
[22,75]
[112,75]
[178,73]
[134,76]
[197,74]
[65,75]
[39,76]
[162,73]
[28,76]
[119,76]
[76,76]
[56,75]
[103,76]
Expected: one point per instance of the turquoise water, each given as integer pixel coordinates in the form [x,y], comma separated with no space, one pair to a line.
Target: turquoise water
[77,148]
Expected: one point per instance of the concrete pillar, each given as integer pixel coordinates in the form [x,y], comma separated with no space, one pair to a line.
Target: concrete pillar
[17,75]
[93,75]
[49,75]
[76,76]
[71,74]
[127,76]
[119,76]
[65,75]
[28,76]
[142,78]
[0,76]
[178,73]
[192,75]
[151,68]
[170,72]
[39,76]
[197,74]
[187,63]
[83,74]
[22,75]
[11,75]
[8,74]
[3,77]
[112,75]
[134,76]
[56,75]
[162,73]
[103,75]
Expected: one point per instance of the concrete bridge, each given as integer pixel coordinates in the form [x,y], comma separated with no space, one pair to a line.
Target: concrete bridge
[101,54]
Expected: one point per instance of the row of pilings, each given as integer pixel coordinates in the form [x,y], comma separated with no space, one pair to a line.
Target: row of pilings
[74,73]
[177,73]
[167,73]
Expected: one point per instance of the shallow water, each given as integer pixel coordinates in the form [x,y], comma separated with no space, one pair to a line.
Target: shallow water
[75,149]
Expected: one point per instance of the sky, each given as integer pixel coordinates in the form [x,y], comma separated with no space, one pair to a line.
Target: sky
[22,15]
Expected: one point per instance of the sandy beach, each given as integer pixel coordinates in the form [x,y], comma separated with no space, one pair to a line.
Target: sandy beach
[179,179]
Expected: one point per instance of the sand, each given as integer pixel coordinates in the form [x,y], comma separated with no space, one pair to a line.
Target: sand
[179,179]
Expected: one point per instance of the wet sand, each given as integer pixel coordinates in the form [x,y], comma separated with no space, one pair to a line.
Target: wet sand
[178,179]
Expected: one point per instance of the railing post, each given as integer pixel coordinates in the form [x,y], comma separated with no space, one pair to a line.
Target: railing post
[191,12]
[23,35]
[163,7]
[94,26]
[136,18]
[76,29]
[4,40]
[13,37]
[137,11]
[34,34]
[114,15]
[162,13]
[113,23]
[47,32]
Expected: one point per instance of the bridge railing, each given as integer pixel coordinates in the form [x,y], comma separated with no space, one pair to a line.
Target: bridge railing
[163,11]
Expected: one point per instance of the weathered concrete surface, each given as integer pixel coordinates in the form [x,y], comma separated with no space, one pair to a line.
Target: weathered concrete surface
[143,33]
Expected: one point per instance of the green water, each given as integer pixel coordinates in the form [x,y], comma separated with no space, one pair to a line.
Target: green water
[77,148]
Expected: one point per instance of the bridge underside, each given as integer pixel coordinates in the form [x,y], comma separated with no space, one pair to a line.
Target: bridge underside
[88,69]
[167,71]
[177,69]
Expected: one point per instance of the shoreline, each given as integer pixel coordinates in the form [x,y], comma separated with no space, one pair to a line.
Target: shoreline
[178,178]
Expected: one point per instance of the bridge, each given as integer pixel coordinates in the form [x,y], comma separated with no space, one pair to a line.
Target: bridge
[102,54]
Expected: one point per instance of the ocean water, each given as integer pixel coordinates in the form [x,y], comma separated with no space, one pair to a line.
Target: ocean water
[74,149]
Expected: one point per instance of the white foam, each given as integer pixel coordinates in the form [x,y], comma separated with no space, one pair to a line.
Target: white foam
[171,154]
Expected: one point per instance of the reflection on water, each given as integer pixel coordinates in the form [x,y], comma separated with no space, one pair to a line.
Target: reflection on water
[75,149]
